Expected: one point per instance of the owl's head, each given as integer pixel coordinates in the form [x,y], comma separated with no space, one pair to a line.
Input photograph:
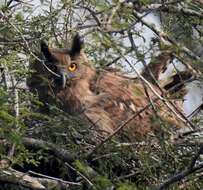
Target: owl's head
[69,64]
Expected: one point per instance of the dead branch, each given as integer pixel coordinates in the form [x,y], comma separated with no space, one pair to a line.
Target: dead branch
[53,178]
[111,17]
[94,15]
[12,176]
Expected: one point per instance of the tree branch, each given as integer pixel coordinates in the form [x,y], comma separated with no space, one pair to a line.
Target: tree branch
[60,153]
[15,177]
[172,9]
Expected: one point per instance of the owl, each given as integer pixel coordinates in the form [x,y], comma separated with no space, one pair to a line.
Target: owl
[104,98]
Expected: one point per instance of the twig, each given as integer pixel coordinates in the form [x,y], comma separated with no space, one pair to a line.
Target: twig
[196,111]
[113,13]
[190,143]
[126,176]
[196,156]
[105,156]
[80,174]
[3,75]
[184,134]
[53,178]
[93,14]
[116,59]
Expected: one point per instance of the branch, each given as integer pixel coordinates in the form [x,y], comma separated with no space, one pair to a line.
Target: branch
[111,17]
[93,14]
[80,174]
[16,111]
[12,176]
[172,9]
[53,178]
[52,23]
[58,152]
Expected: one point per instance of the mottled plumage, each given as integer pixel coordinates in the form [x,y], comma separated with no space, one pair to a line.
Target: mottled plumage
[104,98]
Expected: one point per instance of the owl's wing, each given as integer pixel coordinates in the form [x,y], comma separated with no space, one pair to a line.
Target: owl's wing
[121,99]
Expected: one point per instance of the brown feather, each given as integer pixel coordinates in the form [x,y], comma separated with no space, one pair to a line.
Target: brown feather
[107,99]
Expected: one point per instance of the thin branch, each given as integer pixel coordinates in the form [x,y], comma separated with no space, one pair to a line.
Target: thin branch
[116,59]
[113,13]
[93,14]
[80,174]
[174,9]
[3,71]
[52,23]
[16,111]
[53,178]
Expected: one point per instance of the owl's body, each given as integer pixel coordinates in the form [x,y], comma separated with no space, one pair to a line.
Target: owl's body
[104,98]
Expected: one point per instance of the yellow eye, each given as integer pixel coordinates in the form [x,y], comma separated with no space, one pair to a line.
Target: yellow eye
[72,67]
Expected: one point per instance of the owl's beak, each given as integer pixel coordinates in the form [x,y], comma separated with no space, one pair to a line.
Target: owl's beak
[63,78]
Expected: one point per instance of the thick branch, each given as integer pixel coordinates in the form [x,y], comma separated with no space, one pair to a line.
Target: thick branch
[58,152]
[19,178]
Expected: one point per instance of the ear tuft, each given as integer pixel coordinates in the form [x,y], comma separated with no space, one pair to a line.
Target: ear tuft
[77,45]
[45,50]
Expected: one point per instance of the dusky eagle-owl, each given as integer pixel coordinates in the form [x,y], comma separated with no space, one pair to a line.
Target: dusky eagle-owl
[104,98]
